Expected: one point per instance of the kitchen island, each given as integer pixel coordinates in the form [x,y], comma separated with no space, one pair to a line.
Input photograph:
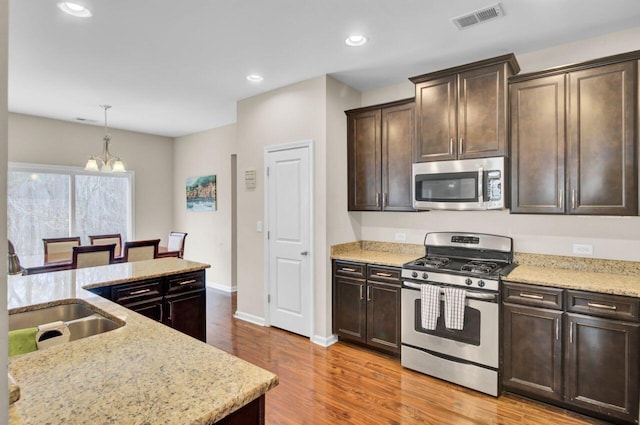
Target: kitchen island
[141,373]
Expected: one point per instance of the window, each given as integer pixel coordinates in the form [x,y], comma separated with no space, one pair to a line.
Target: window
[52,201]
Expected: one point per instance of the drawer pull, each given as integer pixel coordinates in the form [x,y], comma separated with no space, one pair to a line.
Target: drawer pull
[141,291]
[603,306]
[532,296]
[347,269]
[186,282]
[383,274]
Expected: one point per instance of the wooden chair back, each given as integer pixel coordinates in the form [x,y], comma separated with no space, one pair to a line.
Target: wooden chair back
[176,242]
[141,250]
[92,256]
[61,248]
[115,238]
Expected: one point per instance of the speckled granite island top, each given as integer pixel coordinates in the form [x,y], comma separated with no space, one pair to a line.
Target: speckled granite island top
[586,274]
[141,373]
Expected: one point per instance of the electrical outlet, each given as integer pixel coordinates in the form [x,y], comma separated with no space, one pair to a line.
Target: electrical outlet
[401,236]
[582,249]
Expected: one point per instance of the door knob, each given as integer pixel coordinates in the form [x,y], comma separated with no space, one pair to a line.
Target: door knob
[304,253]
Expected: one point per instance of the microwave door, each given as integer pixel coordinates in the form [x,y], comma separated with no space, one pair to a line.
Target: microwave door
[449,191]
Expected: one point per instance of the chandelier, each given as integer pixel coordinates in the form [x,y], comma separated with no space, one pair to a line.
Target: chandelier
[105,162]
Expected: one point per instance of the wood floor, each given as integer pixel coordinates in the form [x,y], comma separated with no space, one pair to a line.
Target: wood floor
[346,384]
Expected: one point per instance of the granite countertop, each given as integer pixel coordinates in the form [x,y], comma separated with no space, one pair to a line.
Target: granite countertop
[382,253]
[141,373]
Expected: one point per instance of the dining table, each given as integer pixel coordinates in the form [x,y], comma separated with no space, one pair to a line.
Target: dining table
[44,263]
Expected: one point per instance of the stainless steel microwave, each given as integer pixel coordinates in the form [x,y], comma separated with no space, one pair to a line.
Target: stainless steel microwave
[465,184]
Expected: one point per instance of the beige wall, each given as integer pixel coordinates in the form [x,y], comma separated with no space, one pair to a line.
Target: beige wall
[46,141]
[611,237]
[209,233]
[4,327]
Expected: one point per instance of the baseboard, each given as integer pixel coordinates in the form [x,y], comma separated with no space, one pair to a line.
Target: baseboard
[221,287]
[249,318]
[324,341]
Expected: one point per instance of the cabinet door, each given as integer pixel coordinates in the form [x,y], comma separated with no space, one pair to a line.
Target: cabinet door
[186,312]
[436,127]
[383,316]
[364,159]
[538,145]
[153,308]
[601,140]
[532,352]
[349,308]
[398,129]
[602,366]
[482,112]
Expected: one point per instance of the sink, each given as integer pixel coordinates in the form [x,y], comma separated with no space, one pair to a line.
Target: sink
[81,319]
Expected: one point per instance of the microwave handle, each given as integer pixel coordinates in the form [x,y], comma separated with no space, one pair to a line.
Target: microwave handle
[480,185]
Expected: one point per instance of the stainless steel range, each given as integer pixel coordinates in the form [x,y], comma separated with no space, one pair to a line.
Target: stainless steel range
[450,308]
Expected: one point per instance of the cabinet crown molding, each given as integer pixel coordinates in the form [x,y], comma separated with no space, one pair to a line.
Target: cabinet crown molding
[509,59]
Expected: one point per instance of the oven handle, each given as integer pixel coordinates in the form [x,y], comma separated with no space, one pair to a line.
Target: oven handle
[468,294]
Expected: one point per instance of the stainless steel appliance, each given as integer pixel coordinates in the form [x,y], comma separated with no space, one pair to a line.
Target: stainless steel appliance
[466,184]
[469,356]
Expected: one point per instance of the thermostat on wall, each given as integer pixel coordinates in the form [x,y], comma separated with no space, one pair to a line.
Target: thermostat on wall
[250,179]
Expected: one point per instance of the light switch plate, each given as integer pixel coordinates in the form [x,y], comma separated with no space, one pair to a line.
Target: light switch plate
[259,226]
[401,236]
[583,249]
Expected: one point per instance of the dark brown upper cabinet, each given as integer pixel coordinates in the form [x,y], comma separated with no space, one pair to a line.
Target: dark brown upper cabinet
[573,139]
[461,112]
[379,143]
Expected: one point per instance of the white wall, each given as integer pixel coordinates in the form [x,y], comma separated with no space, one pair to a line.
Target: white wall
[611,237]
[46,141]
[209,233]
[4,326]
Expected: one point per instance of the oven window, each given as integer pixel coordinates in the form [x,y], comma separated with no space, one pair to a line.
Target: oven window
[461,187]
[470,334]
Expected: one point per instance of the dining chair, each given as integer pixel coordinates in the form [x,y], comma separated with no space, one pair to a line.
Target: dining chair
[60,246]
[92,256]
[140,250]
[176,242]
[108,240]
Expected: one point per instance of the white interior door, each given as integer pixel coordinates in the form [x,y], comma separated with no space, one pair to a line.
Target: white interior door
[289,195]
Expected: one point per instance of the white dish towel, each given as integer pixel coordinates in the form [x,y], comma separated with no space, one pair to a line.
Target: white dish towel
[430,311]
[454,302]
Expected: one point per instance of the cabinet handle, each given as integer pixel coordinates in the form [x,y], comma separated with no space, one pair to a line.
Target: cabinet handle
[169,315]
[186,282]
[561,199]
[161,312]
[383,274]
[532,296]
[570,333]
[141,291]
[368,293]
[557,329]
[347,269]
[573,199]
[603,306]
[461,147]
[378,200]
[451,146]
[385,200]
[361,296]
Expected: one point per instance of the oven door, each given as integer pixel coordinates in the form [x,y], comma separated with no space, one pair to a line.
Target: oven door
[477,342]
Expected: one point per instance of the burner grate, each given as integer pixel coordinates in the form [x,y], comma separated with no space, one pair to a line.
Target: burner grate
[435,262]
[479,267]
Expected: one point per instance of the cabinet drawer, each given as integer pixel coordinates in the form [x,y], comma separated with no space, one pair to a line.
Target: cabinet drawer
[186,282]
[538,296]
[343,268]
[603,305]
[383,274]
[125,294]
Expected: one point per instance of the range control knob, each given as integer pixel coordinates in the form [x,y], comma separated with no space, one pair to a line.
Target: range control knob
[481,283]
[468,282]
[414,274]
[425,276]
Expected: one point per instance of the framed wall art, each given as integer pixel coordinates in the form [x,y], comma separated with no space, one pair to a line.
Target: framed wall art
[201,193]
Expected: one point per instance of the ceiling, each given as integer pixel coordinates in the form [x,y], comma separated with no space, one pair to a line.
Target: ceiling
[177,67]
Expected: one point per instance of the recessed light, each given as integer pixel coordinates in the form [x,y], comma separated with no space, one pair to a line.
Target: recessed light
[74,9]
[255,78]
[356,40]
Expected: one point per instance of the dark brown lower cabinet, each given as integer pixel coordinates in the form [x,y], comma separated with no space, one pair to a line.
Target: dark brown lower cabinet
[153,308]
[187,313]
[579,350]
[602,366]
[366,305]
[533,350]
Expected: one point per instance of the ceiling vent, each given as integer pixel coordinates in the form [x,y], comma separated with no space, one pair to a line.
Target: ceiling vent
[478,16]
